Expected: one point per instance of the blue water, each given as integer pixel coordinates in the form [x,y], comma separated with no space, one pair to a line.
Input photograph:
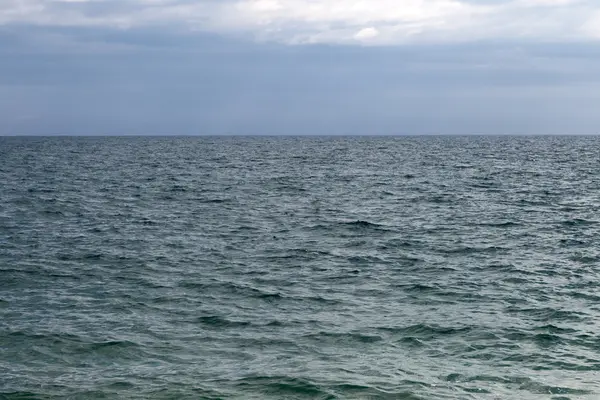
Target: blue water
[300,268]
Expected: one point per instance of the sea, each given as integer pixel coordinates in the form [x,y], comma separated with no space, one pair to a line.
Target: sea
[436,267]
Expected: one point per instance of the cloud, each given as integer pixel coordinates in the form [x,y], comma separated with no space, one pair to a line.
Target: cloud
[382,22]
[591,27]
[366,34]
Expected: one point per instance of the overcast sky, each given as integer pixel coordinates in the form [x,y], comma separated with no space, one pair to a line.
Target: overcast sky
[299,67]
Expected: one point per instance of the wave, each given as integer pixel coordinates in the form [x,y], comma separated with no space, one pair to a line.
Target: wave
[361,224]
[547,314]
[25,395]
[288,387]
[473,250]
[356,391]
[54,337]
[80,257]
[266,276]
[356,226]
[219,322]
[217,288]
[216,201]
[547,339]
[62,345]
[425,331]
[549,328]
[578,222]
[344,337]
[112,344]
[296,254]
[419,288]
[524,383]
[585,259]
[284,387]
[178,188]
[504,224]
[442,199]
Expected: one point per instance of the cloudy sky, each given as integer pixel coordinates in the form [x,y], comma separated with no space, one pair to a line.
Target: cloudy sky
[299,67]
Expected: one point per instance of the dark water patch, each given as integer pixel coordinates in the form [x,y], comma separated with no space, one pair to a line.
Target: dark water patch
[316,299]
[231,288]
[345,338]
[547,314]
[46,337]
[567,366]
[291,189]
[515,280]
[365,260]
[400,243]
[485,185]
[547,340]
[425,331]
[454,377]
[411,341]
[80,256]
[419,288]
[26,395]
[463,166]
[178,188]
[442,199]
[55,213]
[69,348]
[295,254]
[553,329]
[216,321]
[284,387]
[107,351]
[578,222]
[217,201]
[502,224]
[583,283]
[585,296]
[41,190]
[542,340]
[466,250]
[500,268]
[538,388]
[573,242]
[463,295]
[585,259]
[361,224]
[354,391]
[123,385]
[536,204]
[476,390]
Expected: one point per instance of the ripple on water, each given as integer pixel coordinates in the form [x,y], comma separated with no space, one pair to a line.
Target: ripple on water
[299,268]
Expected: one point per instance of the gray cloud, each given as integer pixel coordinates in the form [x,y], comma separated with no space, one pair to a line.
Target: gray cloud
[154,81]
[207,67]
[377,22]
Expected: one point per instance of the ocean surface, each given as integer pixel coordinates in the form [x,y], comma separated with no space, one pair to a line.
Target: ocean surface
[300,268]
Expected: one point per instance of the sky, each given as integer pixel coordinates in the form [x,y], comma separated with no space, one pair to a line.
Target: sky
[299,67]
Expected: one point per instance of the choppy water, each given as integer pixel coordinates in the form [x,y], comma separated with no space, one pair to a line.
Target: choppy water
[300,268]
